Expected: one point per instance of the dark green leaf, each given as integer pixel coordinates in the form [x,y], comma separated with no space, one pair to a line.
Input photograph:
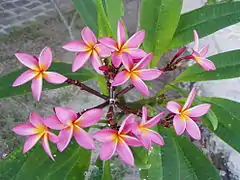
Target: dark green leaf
[206,21]
[159,18]
[140,157]
[227,65]
[6,89]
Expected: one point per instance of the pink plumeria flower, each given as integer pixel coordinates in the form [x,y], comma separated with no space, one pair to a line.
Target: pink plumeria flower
[88,48]
[200,55]
[185,116]
[123,46]
[70,125]
[137,74]
[38,71]
[144,133]
[119,141]
[36,130]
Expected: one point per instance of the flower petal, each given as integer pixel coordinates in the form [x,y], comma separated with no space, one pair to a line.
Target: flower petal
[193,130]
[88,36]
[52,137]
[64,138]
[140,85]
[53,122]
[153,121]
[35,119]
[121,78]
[25,77]
[65,115]
[179,125]
[25,129]
[117,58]
[37,87]
[127,61]
[129,118]
[109,42]
[108,149]
[76,46]
[136,53]
[125,152]
[83,138]
[143,62]
[196,40]
[190,98]
[198,110]
[45,58]
[174,107]
[102,50]
[80,60]
[203,52]
[207,65]
[96,63]
[121,34]
[156,138]
[90,117]
[146,140]
[144,115]
[28,60]
[30,142]
[46,147]
[135,40]
[104,135]
[54,77]
[131,141]
[149,74]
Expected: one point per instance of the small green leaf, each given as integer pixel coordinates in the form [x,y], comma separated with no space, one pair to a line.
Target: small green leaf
[227,65]
[206,21]
[106,171]
[213,119]
[102,84]
[6,89]
[140,157]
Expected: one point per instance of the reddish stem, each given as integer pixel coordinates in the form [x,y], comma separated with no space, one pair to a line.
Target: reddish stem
[124,91]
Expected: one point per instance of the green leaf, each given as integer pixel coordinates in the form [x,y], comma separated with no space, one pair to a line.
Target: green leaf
[88,13]
[6,89]
[106,171]
[213,119]
[140,157]
[159,18]
[114,11]
[104,28]
[102,84]
[206,21]
[227,65]
[69,164]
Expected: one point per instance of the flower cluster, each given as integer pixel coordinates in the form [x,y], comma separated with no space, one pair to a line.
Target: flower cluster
[118,61]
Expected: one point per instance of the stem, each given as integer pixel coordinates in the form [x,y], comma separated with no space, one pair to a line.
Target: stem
[124,91]
[86,88]
[100,106]
[110,118]
[128,110]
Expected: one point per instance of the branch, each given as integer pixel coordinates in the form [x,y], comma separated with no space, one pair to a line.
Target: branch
[128,110]
[124,91]
[100,106]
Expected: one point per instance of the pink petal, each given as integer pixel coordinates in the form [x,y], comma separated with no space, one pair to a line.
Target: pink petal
[80,60]
[153,121]
[203,52]
[53,77]
[102,50]
[143,62]
[198,110]
[90,117]
[131,141]
[66,115]
[64,138]
[174,107]
[129,118]
[156,138]
[125,152]
[30,142]
[109,42]
[146,140]
[104,135]
[196,41]
[28,60]
[96,63]
[190,98]
[25,77]
[207,65]
[140,85]
[45,58]
[136,53]
[83,138]
[25,129]
[117,58]
[53,122]
[52,137]
[144,115]
[107,150]
[149,74]
[46,147]
[35,119]
[193,130]
[121,34]
[76,46]
[121,78]
[136,40]
[88,36]
[179,125]
[37,87]
[127,61]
